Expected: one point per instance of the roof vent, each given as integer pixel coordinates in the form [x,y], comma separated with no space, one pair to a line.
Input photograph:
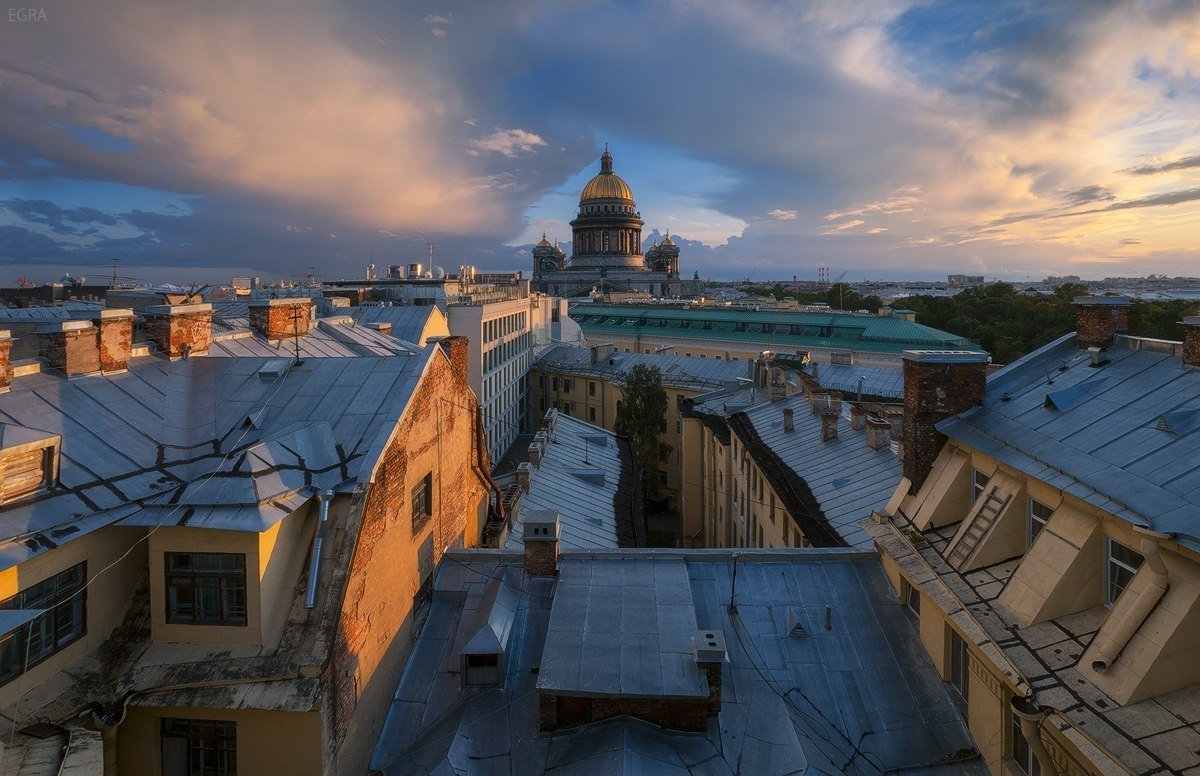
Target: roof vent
[708,646]
[1179,421]
[795,627]
[274,368]
[1098,356]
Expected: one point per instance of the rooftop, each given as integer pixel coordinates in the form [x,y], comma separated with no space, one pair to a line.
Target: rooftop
[408,321]
[821,675]
[1116,435]
[698,374]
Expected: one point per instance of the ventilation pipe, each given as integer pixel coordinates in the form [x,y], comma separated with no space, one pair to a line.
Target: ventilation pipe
[1115,641]
[314,565]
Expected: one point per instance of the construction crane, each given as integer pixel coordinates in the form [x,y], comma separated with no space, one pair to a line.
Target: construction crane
[310,276]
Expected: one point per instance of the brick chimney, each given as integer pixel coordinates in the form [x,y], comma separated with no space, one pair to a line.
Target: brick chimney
[278,319]
[878,436]
[829,425]
[115,339]
[70,347]
[1191,340]
[858,418]
[789,420]
[459,352]
[937,385]
[1098,319]
[524,475]
[896,418]
[542,529]
[6,374]
[709,652]
[179,329]
[383,327]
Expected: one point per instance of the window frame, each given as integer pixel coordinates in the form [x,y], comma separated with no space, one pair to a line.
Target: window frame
[1021,752]
[222,575]
[1031,533]
[195,738]
[423,490]
[910,597]
[1109,561]
[977,489]
[960,666]
[61,600]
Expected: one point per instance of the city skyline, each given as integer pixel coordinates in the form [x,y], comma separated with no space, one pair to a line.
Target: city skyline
[885,140]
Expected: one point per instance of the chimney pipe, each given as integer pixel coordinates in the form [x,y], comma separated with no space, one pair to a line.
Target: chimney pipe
[937,385]
[524,475]
[858,418]
[789,422]
[1098,319]
[541,532]
[115,339]
[70,347]
[277,319]
[179,330]
[877,433]
[829,425]
[896,418]
[1191,340]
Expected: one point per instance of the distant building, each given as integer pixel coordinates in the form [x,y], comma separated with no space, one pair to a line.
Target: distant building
[553,660]
[718,333]
[964,281]
[1046,537]
[606,247]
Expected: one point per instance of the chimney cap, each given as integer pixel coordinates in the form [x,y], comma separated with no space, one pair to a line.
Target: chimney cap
[5,334]
[708,646]
[946,356]
[1109,300]
[1191,320]
[280,302]
[56,327]
[114,313]
[178,309]
[542,525]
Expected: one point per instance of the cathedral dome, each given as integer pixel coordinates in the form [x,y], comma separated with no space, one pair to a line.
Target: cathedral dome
[606,185]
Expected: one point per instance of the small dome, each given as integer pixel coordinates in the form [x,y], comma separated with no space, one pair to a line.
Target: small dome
[606,185]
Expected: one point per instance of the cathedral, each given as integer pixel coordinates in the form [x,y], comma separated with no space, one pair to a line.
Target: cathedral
[606,247]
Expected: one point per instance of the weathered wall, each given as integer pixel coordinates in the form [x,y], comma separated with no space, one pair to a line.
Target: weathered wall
[281,318]
[375,630]
[173,334]
[934,391]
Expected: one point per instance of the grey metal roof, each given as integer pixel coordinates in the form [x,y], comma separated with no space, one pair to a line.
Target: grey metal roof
[584,476]
[408,320]
[213,431]
[677,371]
[878,382]
[622,626]
[859,697]
[332,337]
[847,478]
[1095,431]
[58,312]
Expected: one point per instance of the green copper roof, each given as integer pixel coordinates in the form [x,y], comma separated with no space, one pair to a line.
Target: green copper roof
[781,328]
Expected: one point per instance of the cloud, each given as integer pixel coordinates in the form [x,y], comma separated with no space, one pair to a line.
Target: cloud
[439,19]
[507,142]
[1185,163]
[782,215]
[75,221]
[1086,194]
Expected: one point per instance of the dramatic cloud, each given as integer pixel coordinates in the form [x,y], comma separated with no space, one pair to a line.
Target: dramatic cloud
[508,142]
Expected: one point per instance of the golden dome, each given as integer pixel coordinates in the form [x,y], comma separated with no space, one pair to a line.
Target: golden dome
[606,185]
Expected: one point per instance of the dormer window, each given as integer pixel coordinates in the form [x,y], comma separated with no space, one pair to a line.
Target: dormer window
[28,461]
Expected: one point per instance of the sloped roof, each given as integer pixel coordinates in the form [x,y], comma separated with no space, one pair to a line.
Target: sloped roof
[697,374]
[408,321]
[1098,432]
[809,702]
[333,337]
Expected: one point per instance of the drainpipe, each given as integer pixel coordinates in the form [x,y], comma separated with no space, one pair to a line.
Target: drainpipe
[1109,649]
[314,564]
[480,465]
[1030,716]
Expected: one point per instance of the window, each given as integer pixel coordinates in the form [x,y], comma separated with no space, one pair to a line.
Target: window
[1120,564]
[199,747]
[422,502]
[591,387]
[483,669]
[1021,753]
[591,414]
[678,427]
[960,661]
[206,588]
[554,383]
[978,485]
[23,474]
[1039,513]
[911,597]
[65,620]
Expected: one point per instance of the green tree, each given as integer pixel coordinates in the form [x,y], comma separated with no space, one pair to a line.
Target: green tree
[641,416]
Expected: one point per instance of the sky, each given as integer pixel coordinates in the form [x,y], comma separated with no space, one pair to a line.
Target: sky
[880,139]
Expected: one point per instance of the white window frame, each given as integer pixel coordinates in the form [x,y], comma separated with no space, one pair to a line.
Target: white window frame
[1030,532]
[1109,563]
[978,490]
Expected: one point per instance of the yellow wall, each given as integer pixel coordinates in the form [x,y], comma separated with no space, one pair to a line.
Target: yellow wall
[106,602]
[269,743]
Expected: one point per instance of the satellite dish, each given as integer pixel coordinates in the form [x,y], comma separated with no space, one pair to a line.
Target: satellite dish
[439,273]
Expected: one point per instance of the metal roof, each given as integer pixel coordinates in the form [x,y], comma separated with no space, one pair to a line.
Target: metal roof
[856,697]
[63,311]
[213,431]
[697,374]
[586,476]
[332,337]
[879,383]
[799,329]
[408,321]
[1098,432]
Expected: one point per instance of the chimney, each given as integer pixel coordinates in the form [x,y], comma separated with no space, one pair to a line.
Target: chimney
[278,319]
[815,368]
[789,422]
[858,418]
[896,418]
[179,329]
[6,375]
[1098,319]
[777,385]
[115,338]
[70,347]
[878,436]
[535,454]
[937,385]
[458,351]
[1191,340]
[542,529]
[708,650]
[829,425]
[524,475]
[835,401]
[819,401]
[383,327]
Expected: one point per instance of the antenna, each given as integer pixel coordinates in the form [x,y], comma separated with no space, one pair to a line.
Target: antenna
[296,316]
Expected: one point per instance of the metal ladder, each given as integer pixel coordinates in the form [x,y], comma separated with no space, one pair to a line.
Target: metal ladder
[992,506]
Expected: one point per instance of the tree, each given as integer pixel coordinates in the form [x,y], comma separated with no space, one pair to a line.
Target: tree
[640,417]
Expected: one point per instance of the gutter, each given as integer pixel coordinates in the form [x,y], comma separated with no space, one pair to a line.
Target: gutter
[314,564]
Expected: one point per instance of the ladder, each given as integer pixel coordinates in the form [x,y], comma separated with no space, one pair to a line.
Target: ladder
[978,528]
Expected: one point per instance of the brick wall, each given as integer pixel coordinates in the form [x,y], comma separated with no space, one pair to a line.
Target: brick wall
[541,558]
[5,360]
[116,340]
[375,628]
[180,333]
[1096,323]
[1191,340]
[72,351]
[458,350]
[936,386]
[281,318]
